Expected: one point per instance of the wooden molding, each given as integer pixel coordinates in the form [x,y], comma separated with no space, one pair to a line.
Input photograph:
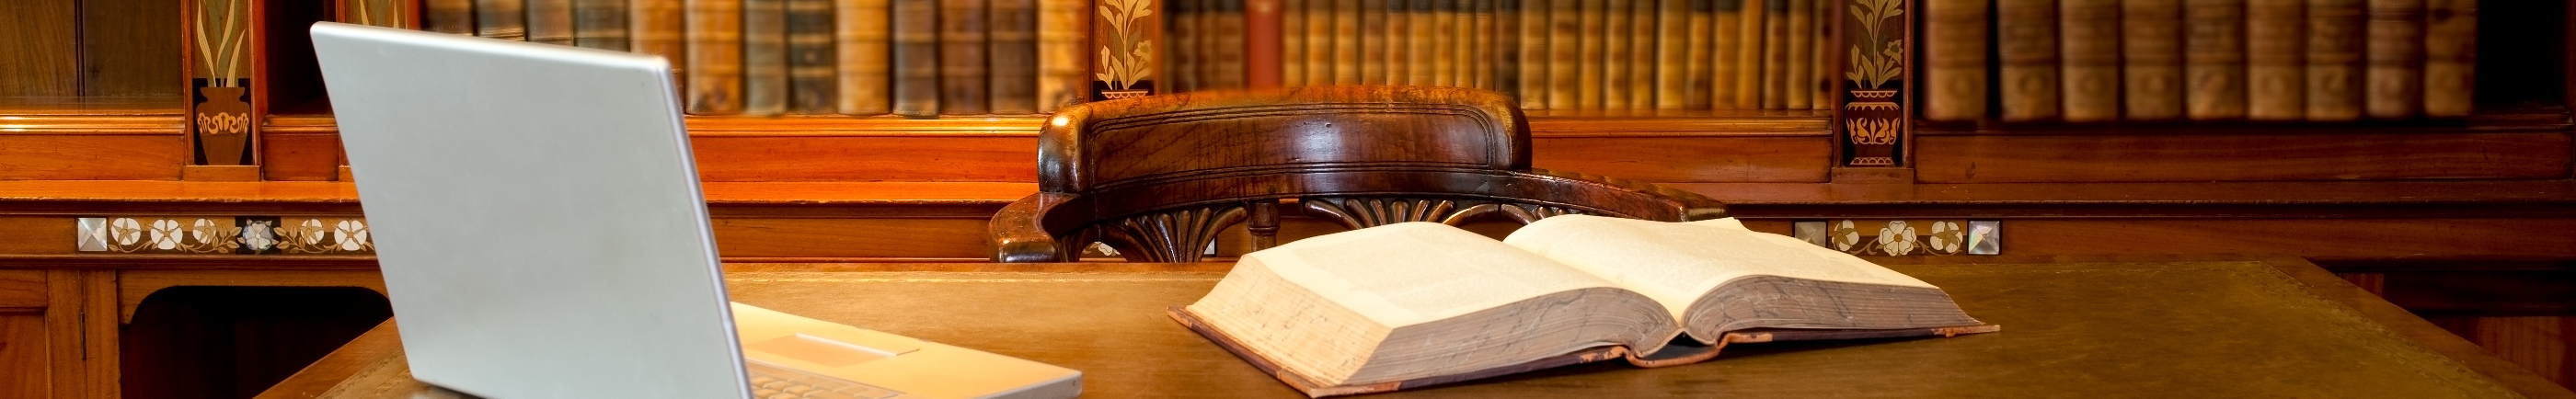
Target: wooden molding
[219,173]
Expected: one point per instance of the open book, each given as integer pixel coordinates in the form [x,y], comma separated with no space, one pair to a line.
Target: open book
[1414,304]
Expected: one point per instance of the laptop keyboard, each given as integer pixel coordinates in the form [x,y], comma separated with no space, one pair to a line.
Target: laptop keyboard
[773,382]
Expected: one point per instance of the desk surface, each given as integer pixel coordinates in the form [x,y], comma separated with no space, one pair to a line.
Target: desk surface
[2207,326]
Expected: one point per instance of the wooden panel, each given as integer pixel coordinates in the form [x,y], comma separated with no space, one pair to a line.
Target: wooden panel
[91,157]
[130,48]
[2311,238]
[37,234]
[81,330]
[844,158]
[2537,343]
[22,357]
[2109,158]
[300,156]
[23,289]
[1689,159]
[43,60]
[873,238]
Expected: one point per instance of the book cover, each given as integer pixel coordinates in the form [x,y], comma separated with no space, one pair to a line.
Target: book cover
[916,58]
[503,19]
[1643,45]
[1064,69]
[2151,48]
[1672,54]
[1226,49]
[1776,64]
[2214,59]
[1486,33]
[1535,52]
[2334,60]
[2450,57]
[1754,36]
[963,74]
[600,24]
[1294,32]
[864,45]
[764,57]
[1616,46]
[812,85]
[1445,43]
[1507,48]
[1589,66]
[1377,41]
[2275,60]
[1345,34]
[2394,80]
[658,27]
[447,16]
[715,57]
[1800,83]
[1726,21]
[2089,53]
[1565,53]
[1954,58]
[1822,57]
[2026,40]
[1013,56]
[550,21]
[1421,48]
[1181,31]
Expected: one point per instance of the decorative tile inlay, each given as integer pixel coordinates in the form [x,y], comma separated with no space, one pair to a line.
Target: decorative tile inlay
[1873,113]
[1904,237]
[225,235]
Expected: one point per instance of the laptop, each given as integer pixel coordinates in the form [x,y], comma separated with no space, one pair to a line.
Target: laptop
[538,219]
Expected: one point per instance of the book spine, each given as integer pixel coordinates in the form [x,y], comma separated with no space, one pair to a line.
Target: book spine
[1588,67]
[1014,57]
[1421,45]
[1228,48]
[2450,58]
[2335,34]
[1565,54]
[1954,57]
[2214,59]
[448,16]
[1346,53]
[600,24]
[1399,42]
[1726,22]
[2275,49]
[1377,42]
[1534,53]
[1821,57]
[1800,84]
[1064,69]
[2395,77]
[1776,64]
[1749,65]
[1672,54]
[963,76]
[865,48]
[1615,48]
[550,22]
[1699,47]
[2151,48]
[502,19]
[2090,52]
[1445,42]
[2026,34]
[1642,46]
[810,79]
[658,27]
[1480,55]
[1294,32]
[764,57]
[1500,32]
[715,57]
[916,58]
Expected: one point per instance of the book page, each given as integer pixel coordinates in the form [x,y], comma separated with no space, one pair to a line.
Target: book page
[1408,273]
[1675,263]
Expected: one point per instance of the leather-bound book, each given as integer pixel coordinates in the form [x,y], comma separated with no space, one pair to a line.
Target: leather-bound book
[2026,40]
[2275,60]
[715,57]
[550,21]
[1776,63]
[1589,65]
[447,16]
[1064,69]
[504,19]
[1445,43]
[1345,54]
[1507,48]
[1672,54]
[1799,84]
[1014,57]
[1315,57]
[1615,48]
[1225,51]
[1699,44]
[1750,67]
[2393,85]
[1954,58]
[1422,42]
[864,44]
[2450,57]
[1535,51]
[1565,53]
[1400,57]
[2089,50]
[2335,34]
[1377,41]
[658,27]
[2151,50]
[1641,54]
[964,73]
[1293,34]
[1823,95]
[1181,37]
[916,58]
[1726,22]
[764,57]
[812,87]
[1481,55]
[2213,59]
[600,24]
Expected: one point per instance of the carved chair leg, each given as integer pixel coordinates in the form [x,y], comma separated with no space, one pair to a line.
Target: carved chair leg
[1265,224]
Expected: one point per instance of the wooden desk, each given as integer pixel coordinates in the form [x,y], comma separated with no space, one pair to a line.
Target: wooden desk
[2206,326]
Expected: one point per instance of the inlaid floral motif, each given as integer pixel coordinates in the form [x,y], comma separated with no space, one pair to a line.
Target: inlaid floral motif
[1902,237]
[224,235]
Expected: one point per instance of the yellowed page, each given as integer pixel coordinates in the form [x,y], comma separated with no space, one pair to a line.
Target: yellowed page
[1408,273]
[1676,263]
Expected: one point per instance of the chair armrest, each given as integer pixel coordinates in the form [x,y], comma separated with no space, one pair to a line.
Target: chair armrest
[1019,232]
[1689,206]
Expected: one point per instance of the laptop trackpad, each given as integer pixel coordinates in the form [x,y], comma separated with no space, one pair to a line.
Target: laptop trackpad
[829,352]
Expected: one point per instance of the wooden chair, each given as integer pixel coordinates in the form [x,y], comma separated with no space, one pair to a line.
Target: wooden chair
[1156,178]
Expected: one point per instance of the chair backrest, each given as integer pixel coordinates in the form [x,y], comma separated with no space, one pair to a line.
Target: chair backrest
[1157,177]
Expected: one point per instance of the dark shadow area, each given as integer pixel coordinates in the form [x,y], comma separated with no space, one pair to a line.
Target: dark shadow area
[233,342]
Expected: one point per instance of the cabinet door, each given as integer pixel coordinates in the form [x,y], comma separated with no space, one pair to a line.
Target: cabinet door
[23,363]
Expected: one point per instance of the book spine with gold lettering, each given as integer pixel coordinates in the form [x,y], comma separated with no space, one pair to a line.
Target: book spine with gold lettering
[1014,57]
[2394,80]
[1822,97]
[1534,53]
[964,74]
[1444,42]
[1064,69]
[1181,37]
[2089,53]
[1565,54]
[1642,46]
[1776,65]
[448,16]
[811,83]
[1672,54]
[1800,81]
[2026,42]
[1377,41]
[2275,60]
[1954,58]
[506,19]
[2334,55]
[658,27]
[1615,48]
[864,45]
[1421,48]
[2151,50]
[2450,57]
[1749,64]
[1726,21]
[1345,34]
[1507,48]
[764,57]
[550,21]
[1589,43]
[1480,55]
[1293,34]
[1262,53]
[1227,50]
[600,24]
[916,58]
[2214,59]
[715,57]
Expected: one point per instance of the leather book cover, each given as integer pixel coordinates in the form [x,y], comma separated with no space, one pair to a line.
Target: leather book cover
[1534,53]
[916,58]
[1590,65]
[714,77]
[1421,42]
[2089,53]
[600,24]
[1377,41]
[1226,51]
[447,16]
[1673,42]
[2334,59]
[2214,59]
[550,21]
[2393,85]
[963,73]
[2275,60]
[2151,50]
[1182,34]
[1753,36]
[656,27]
[1800,84]
[1565,53]
[1954,58]
[501,19]
[864,44]
[1777,65]
[1726,19]
[764,57]
[1014,57]
[1616,49]
[2026,42]
[812,82]
[1643,45]
[1294,32]
[1821,56]
[1064,69]
[1481,56]
[1446,67]
[2450,57]
[1345,44]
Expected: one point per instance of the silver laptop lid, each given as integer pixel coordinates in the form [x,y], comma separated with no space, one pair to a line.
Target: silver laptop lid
[536,213]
